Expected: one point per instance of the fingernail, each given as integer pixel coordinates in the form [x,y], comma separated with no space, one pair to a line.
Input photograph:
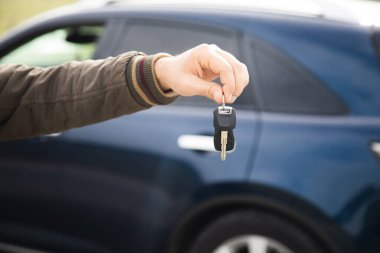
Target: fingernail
[229,99]
[217,96]
[233,99]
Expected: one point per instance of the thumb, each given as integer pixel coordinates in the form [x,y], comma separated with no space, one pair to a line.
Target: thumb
[208,89]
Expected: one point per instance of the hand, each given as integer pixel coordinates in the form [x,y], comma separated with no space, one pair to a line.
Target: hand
[192,73]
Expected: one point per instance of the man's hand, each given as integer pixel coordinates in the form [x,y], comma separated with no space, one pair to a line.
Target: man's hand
[192,73]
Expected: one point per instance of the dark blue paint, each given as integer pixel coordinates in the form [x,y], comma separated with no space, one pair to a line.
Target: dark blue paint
[328,161]
[123,185]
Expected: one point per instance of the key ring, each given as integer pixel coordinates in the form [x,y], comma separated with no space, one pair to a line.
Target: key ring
[224,105]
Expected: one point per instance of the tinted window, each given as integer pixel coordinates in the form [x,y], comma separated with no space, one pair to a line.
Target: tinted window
[376,40]
[175,37]
[286,86]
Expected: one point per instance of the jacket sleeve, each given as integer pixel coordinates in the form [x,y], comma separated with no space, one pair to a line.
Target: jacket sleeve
[35,101]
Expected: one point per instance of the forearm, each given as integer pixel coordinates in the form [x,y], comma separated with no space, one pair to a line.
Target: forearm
[35,101]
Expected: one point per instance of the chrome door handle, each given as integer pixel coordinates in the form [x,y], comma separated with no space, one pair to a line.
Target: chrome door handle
[196,142]
[375,146]
[53,135]
[49,136]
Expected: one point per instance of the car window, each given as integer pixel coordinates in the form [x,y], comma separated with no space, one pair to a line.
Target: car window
[285,86]
[175,37]
[56,47]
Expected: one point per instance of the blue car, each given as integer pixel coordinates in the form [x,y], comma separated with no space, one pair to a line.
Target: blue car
[305,173]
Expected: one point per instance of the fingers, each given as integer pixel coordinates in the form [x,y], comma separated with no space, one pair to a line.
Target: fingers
[233,74]
[240,73]
[191,73]
[216,63]
[201,87]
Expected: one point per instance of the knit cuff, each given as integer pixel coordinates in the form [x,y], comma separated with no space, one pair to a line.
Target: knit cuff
[142,81]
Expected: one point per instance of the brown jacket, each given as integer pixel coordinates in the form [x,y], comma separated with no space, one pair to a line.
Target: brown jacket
[35,101]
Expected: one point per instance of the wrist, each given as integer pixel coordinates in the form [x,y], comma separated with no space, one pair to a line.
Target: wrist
[160,69]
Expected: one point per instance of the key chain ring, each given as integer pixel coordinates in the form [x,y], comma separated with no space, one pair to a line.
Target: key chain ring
[223,103]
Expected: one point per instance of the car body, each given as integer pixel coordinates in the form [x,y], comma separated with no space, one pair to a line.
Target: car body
[307,134]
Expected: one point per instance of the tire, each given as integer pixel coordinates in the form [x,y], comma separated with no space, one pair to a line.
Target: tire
[239,231]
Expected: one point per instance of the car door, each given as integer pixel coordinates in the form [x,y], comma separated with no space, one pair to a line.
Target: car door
[127,177]
[30,186]
[188,115]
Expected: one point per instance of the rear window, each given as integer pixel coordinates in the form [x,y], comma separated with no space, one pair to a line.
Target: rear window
[285,86]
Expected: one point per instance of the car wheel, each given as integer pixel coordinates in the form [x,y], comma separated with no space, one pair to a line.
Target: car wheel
[254,232]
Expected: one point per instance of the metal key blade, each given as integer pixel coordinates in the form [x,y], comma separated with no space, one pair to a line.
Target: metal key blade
[224,135]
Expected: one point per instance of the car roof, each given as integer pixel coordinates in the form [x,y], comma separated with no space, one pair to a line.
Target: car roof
[316,9]
[296,7]
[362,12]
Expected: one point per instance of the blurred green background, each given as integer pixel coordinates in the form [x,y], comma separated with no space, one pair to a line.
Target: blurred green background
[13,12]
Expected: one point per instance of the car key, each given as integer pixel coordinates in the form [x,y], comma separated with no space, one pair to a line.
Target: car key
[224,123]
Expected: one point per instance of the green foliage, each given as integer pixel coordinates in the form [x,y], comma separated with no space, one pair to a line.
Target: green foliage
[13,12]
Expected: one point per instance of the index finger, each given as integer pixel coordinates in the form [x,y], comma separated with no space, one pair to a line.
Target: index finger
[211,60]
[240,72]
